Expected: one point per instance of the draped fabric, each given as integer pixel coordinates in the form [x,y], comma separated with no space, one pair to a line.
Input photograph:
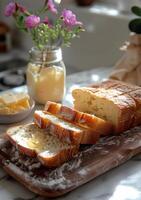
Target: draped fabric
[128,68]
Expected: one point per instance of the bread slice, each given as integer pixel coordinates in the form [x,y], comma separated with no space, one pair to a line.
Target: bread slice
[80,118]
[64,130]
[119,110]
[33,141]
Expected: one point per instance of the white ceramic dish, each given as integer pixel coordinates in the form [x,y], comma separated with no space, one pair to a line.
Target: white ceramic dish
[17,117]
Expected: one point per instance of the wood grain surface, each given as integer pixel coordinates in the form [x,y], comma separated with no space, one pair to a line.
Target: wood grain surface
[92,161]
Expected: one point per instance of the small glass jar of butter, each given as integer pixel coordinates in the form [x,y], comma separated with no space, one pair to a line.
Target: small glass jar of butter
[46,75]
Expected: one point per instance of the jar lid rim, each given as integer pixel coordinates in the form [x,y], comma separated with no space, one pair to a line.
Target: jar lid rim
[48,49]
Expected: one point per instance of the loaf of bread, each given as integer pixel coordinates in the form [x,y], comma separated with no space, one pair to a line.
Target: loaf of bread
[66,131]
[82,119]
[118,103]
[33,141]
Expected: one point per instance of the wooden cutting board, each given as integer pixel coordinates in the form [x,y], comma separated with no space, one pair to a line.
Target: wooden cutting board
[92,161]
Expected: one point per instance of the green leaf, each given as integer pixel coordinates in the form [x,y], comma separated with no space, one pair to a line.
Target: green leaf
[136,10]
[20,23]
[135,26]
[21,18]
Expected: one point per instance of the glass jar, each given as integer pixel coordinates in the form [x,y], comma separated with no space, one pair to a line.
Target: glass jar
[46,75]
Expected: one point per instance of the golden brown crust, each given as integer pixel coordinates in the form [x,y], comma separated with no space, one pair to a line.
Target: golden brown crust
[84,136]
[114,86]
[58,159]
[127,108]
[52,107]
[136,95]
[104,84]
[80,118]
[111,85]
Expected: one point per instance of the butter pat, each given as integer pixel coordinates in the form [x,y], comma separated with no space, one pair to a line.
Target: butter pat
[11,102]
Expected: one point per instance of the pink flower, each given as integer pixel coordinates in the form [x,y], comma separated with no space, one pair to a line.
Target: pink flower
[10,9]
[69,18]
[46,21]
[32,21]
[51,6]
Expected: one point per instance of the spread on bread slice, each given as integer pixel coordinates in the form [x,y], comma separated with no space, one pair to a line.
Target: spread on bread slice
[64,130]
[83,119]
[33,141]
[117,109]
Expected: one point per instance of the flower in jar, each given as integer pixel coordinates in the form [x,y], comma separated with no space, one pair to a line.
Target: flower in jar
[46,32]
[51,6]
[10,9]
[32,21]
[69,18]
[47,22]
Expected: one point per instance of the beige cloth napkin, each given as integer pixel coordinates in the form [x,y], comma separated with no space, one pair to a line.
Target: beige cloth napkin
[128,68]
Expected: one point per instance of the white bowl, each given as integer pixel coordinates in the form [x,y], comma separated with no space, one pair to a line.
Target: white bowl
[17,117]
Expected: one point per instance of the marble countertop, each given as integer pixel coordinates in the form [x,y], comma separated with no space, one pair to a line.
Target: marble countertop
[121,183]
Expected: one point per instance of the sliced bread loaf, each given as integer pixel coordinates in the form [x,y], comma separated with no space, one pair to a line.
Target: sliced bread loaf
[64,130]
[117,109]
[121,88]
[80,118]
[33,141]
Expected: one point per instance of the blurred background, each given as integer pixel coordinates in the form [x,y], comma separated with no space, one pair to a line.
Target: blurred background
[106,24]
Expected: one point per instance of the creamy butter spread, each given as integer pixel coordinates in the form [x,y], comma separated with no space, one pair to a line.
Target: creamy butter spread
[37,139]
[11,102]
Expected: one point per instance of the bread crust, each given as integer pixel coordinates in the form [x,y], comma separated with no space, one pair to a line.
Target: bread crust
[136,95]
[58,159]
[84,136]
[104,84]
[119,87]
[80,118]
